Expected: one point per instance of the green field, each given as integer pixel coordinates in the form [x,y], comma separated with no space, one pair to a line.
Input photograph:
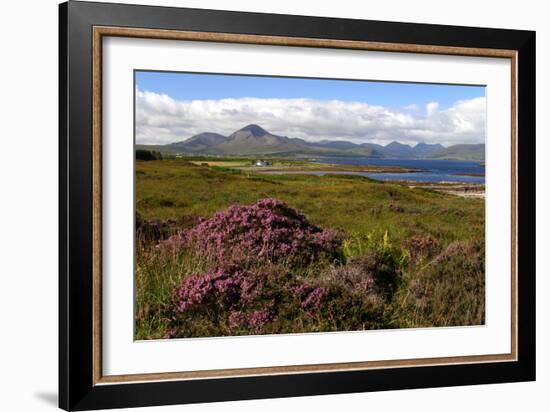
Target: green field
[170,189]
[427,234]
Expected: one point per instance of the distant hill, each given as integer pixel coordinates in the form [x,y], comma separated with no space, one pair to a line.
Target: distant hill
[398,150]
[253,140]
[199,142]
[474,152]
[427,149]
[337,144]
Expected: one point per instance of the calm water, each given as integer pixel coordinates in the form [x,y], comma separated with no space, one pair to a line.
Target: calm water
[432,170]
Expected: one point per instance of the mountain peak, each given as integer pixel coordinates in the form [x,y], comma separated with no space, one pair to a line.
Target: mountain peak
[254,129]
[254,140]
[396,144]
[426,145]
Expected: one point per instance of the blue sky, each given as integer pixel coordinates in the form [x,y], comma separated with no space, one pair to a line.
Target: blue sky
[194,86]
[172,107]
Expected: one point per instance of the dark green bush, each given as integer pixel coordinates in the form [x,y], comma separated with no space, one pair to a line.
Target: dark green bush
[148,155]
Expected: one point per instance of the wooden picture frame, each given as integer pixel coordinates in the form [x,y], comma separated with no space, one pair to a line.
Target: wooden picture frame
[82,384]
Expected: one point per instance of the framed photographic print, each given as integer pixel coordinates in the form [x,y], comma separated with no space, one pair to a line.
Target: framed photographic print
[256,205]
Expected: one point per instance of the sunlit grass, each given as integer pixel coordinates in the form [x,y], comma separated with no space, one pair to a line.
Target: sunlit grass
[172,188]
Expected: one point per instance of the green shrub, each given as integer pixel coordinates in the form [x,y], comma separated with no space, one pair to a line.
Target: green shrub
[148,155]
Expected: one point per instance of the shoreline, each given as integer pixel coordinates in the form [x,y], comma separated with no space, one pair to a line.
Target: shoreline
[328,168]
[461,189]
[281,167]
[466,190]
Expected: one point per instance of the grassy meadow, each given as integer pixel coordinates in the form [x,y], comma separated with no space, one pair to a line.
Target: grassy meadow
[362,254]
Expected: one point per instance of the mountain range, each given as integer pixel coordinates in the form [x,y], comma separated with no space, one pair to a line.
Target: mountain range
[254,140]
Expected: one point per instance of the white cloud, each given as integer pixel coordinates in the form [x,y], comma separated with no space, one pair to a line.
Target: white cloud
[161,119]
[431,108]
[412,107]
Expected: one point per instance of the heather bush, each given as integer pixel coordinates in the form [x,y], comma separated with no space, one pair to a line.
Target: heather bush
[268,231]
[373,272]
[232,301]
[228,300]
[421,246]
[266,269]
